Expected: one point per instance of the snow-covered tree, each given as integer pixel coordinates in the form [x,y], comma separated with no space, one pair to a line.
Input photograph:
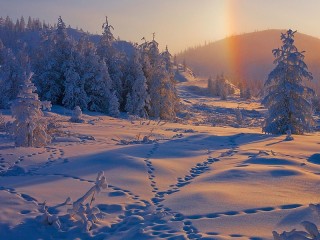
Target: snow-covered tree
[220,87]
[245,91]
[210,84]
[53,61]
[170,99]
[74,93]
[239,116]
[94,73]
[112,57]
[137,100]
[158,71]
[114,105]
[151,67]
[76,115]
[22,24]
[13,71]
[29,126]
[287,98]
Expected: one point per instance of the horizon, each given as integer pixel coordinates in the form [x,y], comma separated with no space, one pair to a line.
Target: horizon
[180,24]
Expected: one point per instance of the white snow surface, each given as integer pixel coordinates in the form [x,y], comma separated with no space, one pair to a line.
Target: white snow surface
[203,177]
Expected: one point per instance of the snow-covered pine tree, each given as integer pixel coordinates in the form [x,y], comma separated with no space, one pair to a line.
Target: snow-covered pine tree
[95,75]
[151,65]
[160,81]
[247,94]
[137,100]
[112,57]
[76,115]
[242,90]
[170,99]
[245,91]
[74,93]
[223,92]
[12,74]
[52,63]
[114,105]
[287,98]
[239,116]
[29,126]
[220,87]
[210,85]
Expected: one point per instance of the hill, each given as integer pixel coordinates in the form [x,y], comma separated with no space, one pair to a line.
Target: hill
[208,176]
[248,56]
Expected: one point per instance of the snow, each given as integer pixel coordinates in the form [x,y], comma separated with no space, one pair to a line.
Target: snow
[193,178]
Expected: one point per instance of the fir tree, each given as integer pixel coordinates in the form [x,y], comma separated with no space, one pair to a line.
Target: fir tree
[74,94]
[22,24]
[29,127]
[287,99]
[170,99]
[13,72]
[112,57]
[137,96]
[210,85]
[95,75]
[160,81]
[114,105]
[151,65]
[53,61]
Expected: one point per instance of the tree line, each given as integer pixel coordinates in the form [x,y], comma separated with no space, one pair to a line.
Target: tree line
[94,76]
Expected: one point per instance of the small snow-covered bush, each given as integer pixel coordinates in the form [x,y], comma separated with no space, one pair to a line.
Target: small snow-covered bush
[76,115]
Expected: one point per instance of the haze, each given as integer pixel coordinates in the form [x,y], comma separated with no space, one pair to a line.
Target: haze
[178,24]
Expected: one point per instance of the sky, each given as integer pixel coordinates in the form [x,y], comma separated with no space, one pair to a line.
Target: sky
[177,23]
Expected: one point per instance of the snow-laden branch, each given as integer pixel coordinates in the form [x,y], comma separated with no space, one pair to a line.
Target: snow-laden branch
[84,210]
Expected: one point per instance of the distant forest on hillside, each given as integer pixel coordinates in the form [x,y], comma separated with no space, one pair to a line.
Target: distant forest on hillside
[247,59]
[98,73]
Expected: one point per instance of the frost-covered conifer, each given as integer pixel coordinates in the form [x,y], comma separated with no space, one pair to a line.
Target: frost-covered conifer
[13,72]
[95,75]
[287,99]
[74,93]
[245,91]
[137,96]
[210,84]
[53,62]
[239,116]
[151,62]
[170,99]
[77,115]
[112,57]
[29,127]
[160,81]
[114,105]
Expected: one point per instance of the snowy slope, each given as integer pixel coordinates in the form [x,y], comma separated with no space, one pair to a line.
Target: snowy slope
[204,177]
[248,56]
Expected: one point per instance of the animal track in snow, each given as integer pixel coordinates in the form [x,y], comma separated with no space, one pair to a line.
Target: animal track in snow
[244,212]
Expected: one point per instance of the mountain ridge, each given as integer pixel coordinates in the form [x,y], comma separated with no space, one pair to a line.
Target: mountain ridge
[248,56]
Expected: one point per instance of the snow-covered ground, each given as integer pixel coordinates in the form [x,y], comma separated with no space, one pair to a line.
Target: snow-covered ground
[204,177]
